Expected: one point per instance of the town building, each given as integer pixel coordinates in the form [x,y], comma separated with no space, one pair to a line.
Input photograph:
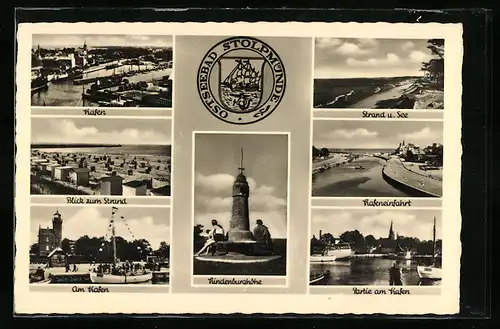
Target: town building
[135,188]
[79,176]
[390,244]
[50,238]
[57,258]
[111,185]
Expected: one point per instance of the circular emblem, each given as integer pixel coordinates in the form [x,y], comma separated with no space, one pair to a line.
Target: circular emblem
[241,80]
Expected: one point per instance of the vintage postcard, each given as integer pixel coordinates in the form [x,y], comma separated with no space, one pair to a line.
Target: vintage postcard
[308,168]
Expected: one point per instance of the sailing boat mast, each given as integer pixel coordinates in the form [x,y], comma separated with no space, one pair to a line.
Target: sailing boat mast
[434,241]
[114,238]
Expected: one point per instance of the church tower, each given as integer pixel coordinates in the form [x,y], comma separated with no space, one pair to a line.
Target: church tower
[239,229]
[391,232]
[57,227]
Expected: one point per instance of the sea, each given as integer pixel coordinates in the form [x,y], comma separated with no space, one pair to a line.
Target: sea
[368,271]
[139,150]
[346,93]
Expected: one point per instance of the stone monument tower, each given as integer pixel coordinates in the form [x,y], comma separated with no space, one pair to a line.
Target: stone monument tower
[239,228]
[57,227]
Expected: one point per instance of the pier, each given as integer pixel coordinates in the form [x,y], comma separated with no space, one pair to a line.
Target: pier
[396,173]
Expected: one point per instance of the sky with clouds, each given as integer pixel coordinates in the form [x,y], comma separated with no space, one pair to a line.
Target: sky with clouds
[375,134]
[411,223]
[152,224]
[369,58]
[77,40]
[100,131]
[217,159]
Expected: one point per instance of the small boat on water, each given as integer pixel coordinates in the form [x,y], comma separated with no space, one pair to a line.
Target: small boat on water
[318,277]
[431,272]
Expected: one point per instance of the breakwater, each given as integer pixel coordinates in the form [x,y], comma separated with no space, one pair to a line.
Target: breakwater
[416,184]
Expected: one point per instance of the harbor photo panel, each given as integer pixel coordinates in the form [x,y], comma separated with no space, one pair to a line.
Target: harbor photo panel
[102,70]
[97,248]
[377,158]
[387,249]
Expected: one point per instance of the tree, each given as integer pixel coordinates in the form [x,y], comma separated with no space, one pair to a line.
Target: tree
[164,250]
[371,241]
[198,240]
[355,239]
[325,152]
[66,246]
[315,153]
[35,249]
[434,68]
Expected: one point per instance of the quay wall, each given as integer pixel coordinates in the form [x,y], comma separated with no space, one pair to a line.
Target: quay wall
[418,185]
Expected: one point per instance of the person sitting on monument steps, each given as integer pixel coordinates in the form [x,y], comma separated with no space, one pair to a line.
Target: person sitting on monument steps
[216,234]
[261,234]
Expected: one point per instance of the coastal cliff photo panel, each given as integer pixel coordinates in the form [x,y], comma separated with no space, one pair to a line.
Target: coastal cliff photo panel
[382,247]
[96,156]
[371,73]
[99,245]
[240,204]
[101,70]
[377,158]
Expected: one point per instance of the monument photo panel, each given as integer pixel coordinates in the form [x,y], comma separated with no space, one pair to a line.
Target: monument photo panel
[240,204]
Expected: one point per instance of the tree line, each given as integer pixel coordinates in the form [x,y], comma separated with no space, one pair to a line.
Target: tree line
[364,244]
[318,153]
[100,249]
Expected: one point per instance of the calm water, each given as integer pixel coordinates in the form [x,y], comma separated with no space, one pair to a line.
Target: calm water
[347,181]
[163,150]
[274,267]
[65,93]
[368,271]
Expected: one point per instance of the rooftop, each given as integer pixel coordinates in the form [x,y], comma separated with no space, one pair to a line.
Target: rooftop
[134,183]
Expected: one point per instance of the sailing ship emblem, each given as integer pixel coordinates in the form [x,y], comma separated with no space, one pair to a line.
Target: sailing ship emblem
[241,90]
[241,80]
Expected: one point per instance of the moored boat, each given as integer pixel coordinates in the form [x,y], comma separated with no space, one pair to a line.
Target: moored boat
[101,278]
[431,272]
[318,277]
[331,253]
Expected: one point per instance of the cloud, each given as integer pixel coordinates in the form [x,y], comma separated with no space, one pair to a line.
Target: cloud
[89,221]
[327,43]
[54,40]
[407,45]
[419,56]
[66,131]
[390,59]
[353,133]
[213,200]
[423,137]
[367,42]
[348,48]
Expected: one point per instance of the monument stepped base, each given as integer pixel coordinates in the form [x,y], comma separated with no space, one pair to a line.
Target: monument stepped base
[236,258]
